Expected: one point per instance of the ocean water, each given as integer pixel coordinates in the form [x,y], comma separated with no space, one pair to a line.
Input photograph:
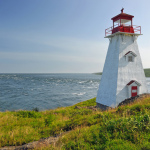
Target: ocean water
[46,91]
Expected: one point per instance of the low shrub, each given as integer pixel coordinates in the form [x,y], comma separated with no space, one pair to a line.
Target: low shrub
[28,114]
[49,119]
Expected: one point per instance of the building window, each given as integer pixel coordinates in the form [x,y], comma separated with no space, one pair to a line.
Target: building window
[130,59]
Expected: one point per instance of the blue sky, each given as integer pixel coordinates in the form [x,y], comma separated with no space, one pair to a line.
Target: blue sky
[63,36]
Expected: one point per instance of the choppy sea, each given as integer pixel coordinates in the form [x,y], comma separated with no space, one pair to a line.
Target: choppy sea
[46,91]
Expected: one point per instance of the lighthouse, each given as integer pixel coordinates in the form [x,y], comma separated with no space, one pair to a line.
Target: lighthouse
[123,75]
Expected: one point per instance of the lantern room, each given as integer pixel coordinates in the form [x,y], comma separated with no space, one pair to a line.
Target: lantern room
[123,23]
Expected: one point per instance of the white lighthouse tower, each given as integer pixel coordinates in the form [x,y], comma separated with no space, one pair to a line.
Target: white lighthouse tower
[123,75]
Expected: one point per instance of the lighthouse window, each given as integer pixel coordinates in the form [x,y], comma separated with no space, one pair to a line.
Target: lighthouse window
[130,59]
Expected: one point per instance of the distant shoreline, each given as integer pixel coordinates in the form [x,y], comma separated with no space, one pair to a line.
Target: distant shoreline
[146,71]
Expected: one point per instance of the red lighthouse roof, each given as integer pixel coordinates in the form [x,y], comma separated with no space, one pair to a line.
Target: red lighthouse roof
[132,81]
[123,23]
[122,16]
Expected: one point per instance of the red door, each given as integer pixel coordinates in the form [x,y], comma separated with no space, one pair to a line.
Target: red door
[134,91]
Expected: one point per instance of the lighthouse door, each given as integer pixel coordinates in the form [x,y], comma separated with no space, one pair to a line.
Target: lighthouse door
[134,91]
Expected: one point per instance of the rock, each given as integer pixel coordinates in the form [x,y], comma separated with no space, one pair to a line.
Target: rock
[132,99]
[35,144]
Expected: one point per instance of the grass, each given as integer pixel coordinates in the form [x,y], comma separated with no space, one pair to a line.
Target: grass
[146,71]
[126,127]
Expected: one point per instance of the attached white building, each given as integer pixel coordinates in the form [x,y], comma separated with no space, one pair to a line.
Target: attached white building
[123,75]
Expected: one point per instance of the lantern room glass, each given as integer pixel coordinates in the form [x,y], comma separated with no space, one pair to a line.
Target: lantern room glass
[122,22]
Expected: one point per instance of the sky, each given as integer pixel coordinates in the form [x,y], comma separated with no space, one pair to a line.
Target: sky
[64,36]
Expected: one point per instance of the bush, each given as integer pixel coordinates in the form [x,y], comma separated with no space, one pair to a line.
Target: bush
[48,121]
[36,109]
[28,114]
[145,146]
[118,144]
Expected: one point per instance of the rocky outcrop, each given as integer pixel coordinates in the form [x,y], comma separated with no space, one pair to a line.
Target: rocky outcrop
[102,107]
[125,102]
[36,144]
[132,99]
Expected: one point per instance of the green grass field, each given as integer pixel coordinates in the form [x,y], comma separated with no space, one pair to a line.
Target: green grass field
[147,72]
[123,128]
